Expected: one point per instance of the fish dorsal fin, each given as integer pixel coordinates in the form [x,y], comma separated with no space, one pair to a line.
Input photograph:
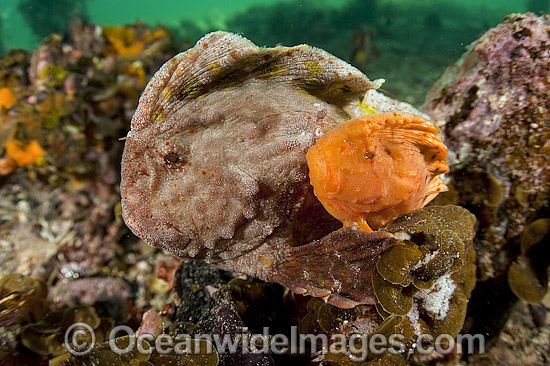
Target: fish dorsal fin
[223,60]
[321,74]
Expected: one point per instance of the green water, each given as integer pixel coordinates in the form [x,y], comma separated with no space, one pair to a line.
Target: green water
[207,14]
[407,42]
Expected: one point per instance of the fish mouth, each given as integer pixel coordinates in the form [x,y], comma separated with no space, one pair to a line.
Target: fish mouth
[140,210]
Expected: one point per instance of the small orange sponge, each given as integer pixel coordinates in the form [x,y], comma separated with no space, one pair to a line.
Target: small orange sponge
[24,153]
[7,98]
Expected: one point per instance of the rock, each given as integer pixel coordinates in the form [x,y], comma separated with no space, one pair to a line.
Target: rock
[492,107]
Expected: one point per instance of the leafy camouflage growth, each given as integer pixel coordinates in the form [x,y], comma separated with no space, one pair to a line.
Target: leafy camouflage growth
[323,318]
[48,336]
[527,276]
[525,282]
[22,298]
[422,285]
[534,234]
[431,222]
[442,278]
[103,354]
[395,265]
[394,299]
[362,320]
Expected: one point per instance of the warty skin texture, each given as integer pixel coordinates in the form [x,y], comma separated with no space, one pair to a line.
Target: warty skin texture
[214,166]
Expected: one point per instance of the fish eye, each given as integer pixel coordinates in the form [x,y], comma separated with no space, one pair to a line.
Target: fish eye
[369,155]
[172,158]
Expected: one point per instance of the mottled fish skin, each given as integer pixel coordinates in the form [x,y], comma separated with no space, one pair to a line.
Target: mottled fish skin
[215,160]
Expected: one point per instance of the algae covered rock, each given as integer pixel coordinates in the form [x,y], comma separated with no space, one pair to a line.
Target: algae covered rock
[492,107]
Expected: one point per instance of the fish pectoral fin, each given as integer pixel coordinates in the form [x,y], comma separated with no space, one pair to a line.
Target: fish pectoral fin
[338,267]
[359,223]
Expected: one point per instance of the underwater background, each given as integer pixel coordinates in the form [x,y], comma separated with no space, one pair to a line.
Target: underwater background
[383,38]
[71,75]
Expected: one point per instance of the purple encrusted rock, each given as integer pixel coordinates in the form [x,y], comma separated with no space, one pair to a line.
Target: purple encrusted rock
[493,107]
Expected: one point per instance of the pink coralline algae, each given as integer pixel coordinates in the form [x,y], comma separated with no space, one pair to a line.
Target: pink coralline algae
[493,109]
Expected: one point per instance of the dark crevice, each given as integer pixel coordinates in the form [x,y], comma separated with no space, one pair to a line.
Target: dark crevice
[464,111]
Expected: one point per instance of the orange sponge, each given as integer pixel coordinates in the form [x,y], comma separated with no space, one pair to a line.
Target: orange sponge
[24,153]
[7,98]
